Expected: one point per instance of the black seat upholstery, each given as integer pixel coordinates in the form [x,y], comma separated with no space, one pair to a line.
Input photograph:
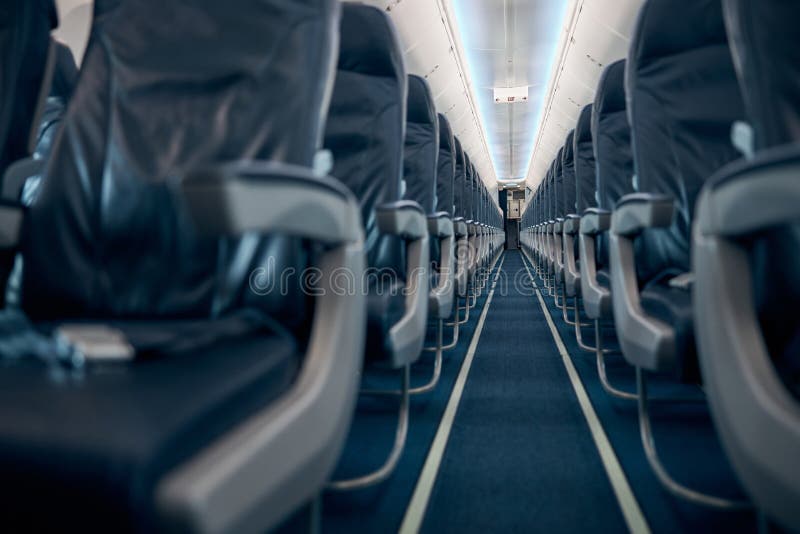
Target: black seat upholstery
[446,168]
[681,130]
[24,48]
[585,182]
[109,240]
[568,173]
[421,149]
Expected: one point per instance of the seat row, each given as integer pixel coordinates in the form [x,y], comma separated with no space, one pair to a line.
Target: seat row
[671,215]
[242,209]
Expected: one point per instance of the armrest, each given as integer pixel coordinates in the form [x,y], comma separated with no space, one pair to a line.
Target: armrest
[17,174]
[471,227]
[639,211]
[11,216]
[726,204]
[572,224]
[253,196]
[460,227]
[406,219]
[403,218]
[646,342]
[557,225]
[595,221]
[440,225]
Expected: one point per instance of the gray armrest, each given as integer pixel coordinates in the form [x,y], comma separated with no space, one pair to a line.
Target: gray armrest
[17,174]
[403,218]
[638,211]
[729,206]
[11,216]
[406,220]
[572,224]
[595,221]
[460,227]
[271,197]
[440,225]
[757,417]
[440,303]
[646,341]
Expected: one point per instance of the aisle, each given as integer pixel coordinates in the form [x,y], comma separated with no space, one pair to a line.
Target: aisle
[520,455]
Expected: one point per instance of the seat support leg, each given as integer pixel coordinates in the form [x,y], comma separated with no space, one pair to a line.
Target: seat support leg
[670,484]
[381,474]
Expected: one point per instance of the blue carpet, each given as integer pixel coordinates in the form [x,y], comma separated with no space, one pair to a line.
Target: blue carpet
[381,509]
[684,435]
[520,457]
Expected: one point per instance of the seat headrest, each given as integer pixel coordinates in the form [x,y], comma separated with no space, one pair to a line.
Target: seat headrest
[765,44]
[568,151]
[65,73]
[421,109]
[447,140]
[659,33]
[610,95]
[369,42]
[583,129]
[199,84]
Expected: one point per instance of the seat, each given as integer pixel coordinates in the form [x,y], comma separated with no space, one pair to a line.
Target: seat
[682,101]
[422,147]
[567,244]
[23,179]
[366,132]
[744,255]
[26,62]
[214,417]
[614,179]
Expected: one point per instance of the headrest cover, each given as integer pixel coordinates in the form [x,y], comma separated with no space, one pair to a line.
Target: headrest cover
[421,108]
[158,96]
[369,42]
[610,95]
[421,149]
[666,28]
[765,43]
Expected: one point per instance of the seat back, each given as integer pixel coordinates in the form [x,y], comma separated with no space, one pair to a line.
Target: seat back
[764,42]
[459,181]
[611,137]
[768,69]
[421,148]
[367,121]
[156,98]
[568,170]
[559,210]
[585,186]
[24,48]
[468,195]
[446,168]
[682,100]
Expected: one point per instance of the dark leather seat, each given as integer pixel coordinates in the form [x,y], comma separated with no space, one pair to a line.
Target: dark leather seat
[611,135]
[681,131]
[366,131]
[114,238]
[24,50]
[746,261]
[585,179]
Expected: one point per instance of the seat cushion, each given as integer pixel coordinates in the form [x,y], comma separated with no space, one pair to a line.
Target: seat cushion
[674,307]
[89,450]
